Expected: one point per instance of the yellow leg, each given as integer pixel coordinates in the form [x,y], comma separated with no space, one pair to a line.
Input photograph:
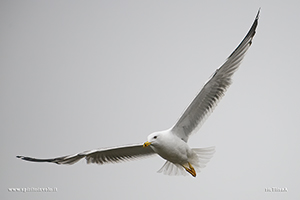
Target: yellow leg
[190,170]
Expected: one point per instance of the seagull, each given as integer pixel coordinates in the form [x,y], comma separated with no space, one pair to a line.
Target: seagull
[171,144]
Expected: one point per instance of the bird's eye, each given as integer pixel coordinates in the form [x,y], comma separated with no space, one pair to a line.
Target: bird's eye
[155,137]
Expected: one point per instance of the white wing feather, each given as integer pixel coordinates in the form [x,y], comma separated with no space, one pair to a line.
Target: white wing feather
[100,156]
[213,90]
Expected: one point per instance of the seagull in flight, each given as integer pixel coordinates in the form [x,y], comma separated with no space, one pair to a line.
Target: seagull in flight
[171,144]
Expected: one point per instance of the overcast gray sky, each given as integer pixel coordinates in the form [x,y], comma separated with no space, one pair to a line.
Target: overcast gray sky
[79,75]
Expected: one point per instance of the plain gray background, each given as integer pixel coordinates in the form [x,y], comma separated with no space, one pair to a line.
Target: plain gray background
[79,75]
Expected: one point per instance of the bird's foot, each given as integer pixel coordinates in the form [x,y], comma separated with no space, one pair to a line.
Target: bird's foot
[190,169]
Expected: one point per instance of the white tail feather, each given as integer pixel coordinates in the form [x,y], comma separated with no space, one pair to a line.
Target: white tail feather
[203,155]
[172,169]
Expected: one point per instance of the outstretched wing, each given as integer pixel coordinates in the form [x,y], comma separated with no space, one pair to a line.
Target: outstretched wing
[213,90]
[100,156]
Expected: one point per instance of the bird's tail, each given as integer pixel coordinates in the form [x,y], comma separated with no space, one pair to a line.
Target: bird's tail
[203,155]
[172,169]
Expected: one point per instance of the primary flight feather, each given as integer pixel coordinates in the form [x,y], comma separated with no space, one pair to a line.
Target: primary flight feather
[172,144]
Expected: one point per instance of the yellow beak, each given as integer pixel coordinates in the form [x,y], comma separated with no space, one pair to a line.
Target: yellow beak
[146,144]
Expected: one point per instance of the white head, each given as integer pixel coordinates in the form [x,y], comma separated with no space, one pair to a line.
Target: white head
[153,139]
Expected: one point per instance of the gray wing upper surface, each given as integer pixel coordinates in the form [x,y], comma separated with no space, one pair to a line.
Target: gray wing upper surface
[100,156]
[213,90]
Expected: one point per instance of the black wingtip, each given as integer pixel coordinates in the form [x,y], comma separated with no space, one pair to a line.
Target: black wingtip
[250,33]
[257,16]
[33,159]
[23,158]
[252,30]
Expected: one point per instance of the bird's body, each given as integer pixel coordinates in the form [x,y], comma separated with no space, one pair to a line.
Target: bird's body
[177,152]
[166,148]
[172,144]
